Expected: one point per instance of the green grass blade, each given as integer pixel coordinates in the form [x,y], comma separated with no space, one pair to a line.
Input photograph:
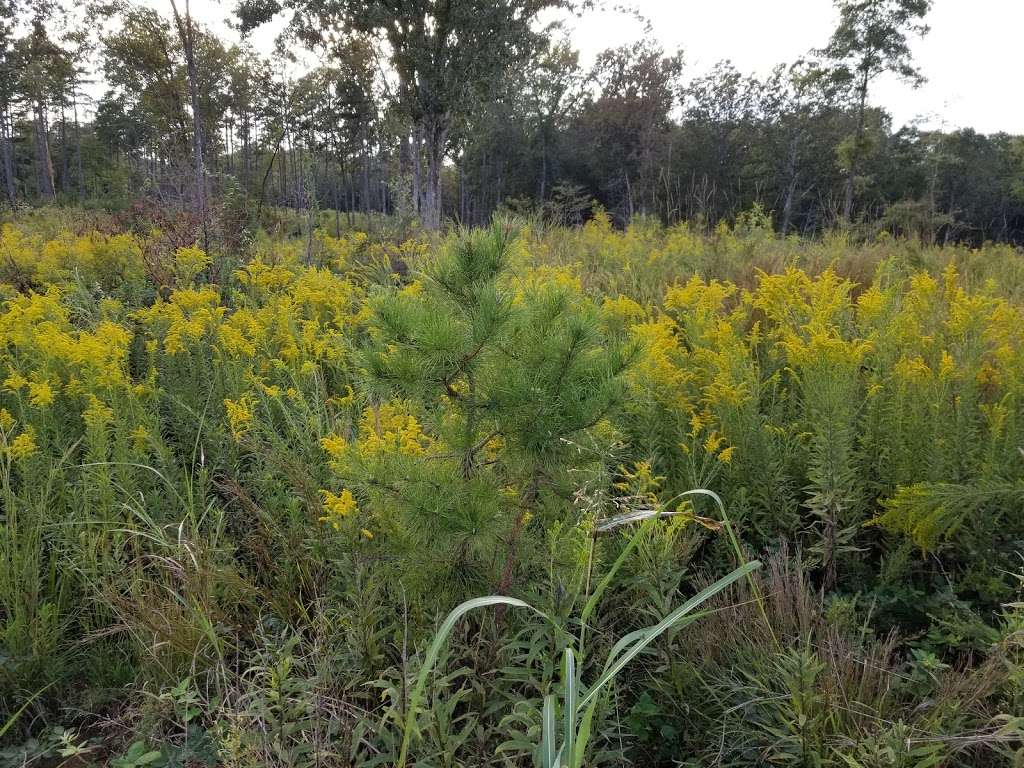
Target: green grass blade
[584,735]
[629,639]
[547,741]
[14,717]
[647,636]
[569,683]
[740,558]
[599,590]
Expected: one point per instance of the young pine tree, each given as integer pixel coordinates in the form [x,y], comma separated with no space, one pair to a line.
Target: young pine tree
[480,385]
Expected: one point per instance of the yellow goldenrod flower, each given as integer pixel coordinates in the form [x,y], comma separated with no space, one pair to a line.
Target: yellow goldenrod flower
[15,382]
[390,428]
[713,442]
[240,416]
[40,394]
[947,367]
[338,507]
[335,446]
[140,439]
[23,446]
[98,415]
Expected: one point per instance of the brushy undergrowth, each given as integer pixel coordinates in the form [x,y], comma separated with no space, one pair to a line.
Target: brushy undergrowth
[241,489]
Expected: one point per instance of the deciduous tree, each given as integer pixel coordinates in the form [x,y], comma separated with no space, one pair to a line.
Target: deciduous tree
[871,39]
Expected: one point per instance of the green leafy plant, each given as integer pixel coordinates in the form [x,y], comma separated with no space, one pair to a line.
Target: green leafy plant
[138,755]
[565,746]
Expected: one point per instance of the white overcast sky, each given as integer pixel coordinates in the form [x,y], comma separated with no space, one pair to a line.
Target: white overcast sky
[972,57]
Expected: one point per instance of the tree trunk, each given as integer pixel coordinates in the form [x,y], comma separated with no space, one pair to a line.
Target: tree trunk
[463,213]
[337,202]
[188,43]
[415,159]
[791,181]
[43,159]
[7,156]
[65,160]
[366,181]
[436,135]
[78,148]
[245,151]
[855,155]
[543,166]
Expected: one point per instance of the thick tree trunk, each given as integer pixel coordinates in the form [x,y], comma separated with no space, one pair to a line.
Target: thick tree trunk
[45,163]
[436,138]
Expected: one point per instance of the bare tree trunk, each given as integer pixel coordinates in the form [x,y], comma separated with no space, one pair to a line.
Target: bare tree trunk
[629,199]
[337,202]
[43,159]
[185,31]
[791,177]
[543,165]
[366,181]
[7,155]
[436,130]
[65,160]
[855,155]
[246,130]
[463,212]
[266,175]
[78,147]
[415,158]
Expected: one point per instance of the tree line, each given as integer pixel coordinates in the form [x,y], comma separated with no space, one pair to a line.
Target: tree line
[451,110]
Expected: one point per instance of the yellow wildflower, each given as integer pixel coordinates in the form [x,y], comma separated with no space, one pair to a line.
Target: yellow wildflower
[97,415]
[40,394]
[140,439]
[335,446]
[240,415]
[348,399]
[338,507]
[713,443]
[390,428]
[189,262]
[619,314]
[23,446]
[415,288]
[15,381]
[947,367]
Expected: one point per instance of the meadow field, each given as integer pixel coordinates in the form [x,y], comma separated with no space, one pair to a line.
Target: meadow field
[242,490]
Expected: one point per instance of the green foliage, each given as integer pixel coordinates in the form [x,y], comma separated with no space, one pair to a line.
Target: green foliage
[931,512]
[239,499]
[567,745]
[509,374]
